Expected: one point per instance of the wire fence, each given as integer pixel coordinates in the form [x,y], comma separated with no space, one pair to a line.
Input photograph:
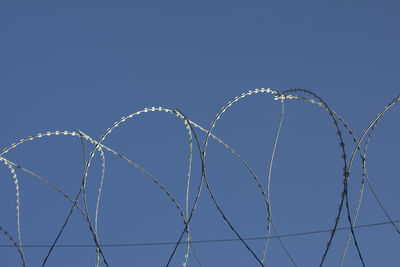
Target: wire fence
[187,209]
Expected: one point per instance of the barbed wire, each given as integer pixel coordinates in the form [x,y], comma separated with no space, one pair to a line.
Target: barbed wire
[187,212]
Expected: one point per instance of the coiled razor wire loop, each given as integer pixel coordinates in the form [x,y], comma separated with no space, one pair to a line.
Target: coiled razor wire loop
[371,127]
[217,117]
[187,213]
[346,175]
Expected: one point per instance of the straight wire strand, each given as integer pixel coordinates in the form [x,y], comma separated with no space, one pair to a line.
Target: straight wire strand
[207,240]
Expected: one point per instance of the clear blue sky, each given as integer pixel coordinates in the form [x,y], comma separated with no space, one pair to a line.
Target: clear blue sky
[85,64]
